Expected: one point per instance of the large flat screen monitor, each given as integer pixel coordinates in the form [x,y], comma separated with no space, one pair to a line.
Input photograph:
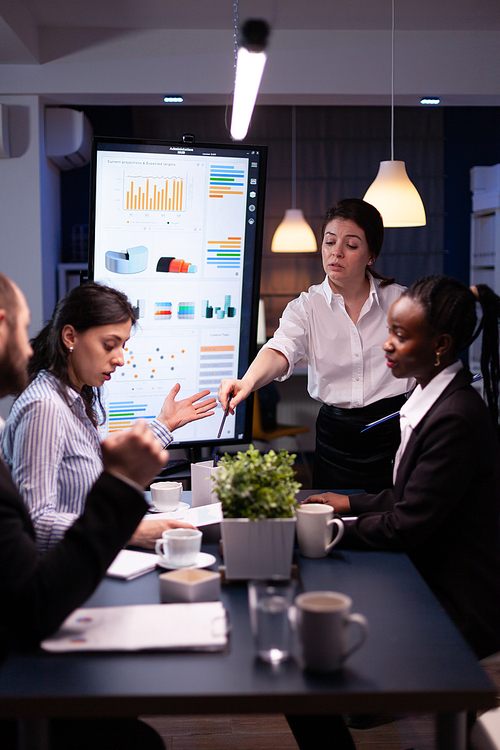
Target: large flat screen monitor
[178,228]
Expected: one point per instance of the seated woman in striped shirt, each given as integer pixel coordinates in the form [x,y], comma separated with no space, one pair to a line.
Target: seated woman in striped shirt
[50,440]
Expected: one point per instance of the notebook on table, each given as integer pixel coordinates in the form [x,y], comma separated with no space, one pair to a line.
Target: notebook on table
[196,626]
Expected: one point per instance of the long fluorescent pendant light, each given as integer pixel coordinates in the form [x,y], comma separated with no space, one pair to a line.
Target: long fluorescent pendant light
[392,192]
[250,64]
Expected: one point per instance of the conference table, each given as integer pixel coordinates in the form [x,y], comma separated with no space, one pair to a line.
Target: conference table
[413,661]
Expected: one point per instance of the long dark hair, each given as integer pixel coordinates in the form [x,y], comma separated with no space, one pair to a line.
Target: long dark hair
[450,307]
[84,307]
[369,219]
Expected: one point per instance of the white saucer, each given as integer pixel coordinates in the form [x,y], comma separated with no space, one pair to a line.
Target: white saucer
[181,506]
[204,560]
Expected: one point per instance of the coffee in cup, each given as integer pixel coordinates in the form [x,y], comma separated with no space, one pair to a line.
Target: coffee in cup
[315,523]
[179,547]
[323,619]
[166,496]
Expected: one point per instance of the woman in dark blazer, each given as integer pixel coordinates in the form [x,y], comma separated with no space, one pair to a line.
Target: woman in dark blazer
[444,509]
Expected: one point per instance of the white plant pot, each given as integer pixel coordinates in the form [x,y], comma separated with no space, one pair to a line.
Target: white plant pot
[257,549]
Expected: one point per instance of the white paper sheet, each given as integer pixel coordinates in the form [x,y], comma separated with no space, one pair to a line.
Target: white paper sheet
[198,626]
[203,515]
[129,564]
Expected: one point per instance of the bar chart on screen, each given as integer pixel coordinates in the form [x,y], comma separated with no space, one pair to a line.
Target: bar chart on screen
[224,253]
[226,181]
[154,193]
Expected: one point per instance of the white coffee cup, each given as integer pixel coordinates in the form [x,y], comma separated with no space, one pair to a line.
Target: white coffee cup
[179,547]
[323,619]
[315,524]
[166,496]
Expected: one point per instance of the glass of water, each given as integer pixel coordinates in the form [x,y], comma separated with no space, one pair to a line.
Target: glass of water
[270,604]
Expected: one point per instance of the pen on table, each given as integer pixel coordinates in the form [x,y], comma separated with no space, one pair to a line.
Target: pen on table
[396,413]
[226,412]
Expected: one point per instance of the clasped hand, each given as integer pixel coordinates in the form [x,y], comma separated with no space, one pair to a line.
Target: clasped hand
[136,453]
[339,502]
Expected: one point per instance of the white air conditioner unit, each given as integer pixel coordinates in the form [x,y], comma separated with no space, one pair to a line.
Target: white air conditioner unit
[68,137]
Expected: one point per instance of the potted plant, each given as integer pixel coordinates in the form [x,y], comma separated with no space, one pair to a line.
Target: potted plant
[257,492]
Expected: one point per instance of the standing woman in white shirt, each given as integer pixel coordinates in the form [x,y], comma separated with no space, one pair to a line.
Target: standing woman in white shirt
[340,326]
[50,440]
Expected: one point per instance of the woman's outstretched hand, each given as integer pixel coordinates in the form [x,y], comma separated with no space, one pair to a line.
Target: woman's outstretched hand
[175,414]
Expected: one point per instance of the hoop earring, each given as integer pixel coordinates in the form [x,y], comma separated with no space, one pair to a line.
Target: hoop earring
[438,360]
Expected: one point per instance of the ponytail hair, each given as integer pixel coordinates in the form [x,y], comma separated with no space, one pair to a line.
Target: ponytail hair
[490,365]
[450,307]
[84,307]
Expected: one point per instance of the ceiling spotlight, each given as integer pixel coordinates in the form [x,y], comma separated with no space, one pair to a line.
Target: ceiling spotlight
[428,100]
[173,99]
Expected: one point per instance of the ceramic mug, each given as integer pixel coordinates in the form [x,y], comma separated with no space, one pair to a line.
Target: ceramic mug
[315,524]
[166,496]
[323,620]
[179,547]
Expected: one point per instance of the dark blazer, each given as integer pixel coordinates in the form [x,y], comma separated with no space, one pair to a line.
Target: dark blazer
[37,593]
[444,511]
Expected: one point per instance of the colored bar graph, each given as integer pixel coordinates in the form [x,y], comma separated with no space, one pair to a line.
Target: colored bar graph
[155,194]
[224,253]
[123,414]
[224,180]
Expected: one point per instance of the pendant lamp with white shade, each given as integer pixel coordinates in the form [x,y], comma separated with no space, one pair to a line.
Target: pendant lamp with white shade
[392,192]
[294,235]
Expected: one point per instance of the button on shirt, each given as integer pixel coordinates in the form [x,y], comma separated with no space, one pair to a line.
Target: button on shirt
[417,406]
[346,364]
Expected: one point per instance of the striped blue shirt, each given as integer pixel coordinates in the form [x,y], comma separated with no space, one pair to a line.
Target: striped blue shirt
[54,454]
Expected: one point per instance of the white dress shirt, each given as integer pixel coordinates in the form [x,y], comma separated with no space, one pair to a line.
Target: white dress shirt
[54,454]
[419,403]
[346,364]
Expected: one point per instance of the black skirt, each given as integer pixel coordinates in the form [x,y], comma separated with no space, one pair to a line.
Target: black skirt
[347,458]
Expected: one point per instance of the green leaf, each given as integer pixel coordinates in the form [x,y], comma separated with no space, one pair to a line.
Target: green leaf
[254,485]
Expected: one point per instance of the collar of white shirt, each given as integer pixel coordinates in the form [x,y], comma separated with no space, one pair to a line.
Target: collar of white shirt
[331,296]
[421,400]
[419,403]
